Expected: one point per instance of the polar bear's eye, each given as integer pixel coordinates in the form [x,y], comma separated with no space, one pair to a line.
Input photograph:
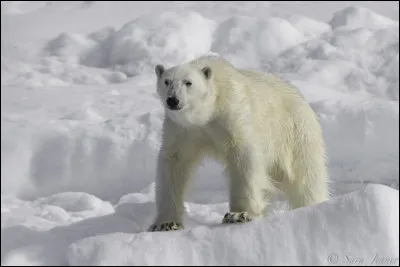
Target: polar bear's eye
[188,83]
[166,82]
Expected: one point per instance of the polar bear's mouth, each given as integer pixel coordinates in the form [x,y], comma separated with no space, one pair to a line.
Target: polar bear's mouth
[175,108]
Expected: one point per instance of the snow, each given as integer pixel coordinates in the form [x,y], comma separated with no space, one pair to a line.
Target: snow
[81,127]
[354,223]
[352,17]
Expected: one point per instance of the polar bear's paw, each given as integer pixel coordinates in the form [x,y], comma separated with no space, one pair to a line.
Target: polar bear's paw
[236,217]
[166,226]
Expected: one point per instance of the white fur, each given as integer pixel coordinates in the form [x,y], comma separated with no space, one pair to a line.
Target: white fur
[260,127]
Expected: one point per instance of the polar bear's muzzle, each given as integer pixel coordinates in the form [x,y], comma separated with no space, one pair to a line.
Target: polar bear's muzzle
[173,103]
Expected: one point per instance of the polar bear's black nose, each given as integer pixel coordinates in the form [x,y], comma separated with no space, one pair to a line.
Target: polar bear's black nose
[172,103]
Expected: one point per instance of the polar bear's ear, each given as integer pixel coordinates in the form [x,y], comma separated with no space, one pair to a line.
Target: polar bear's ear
[159,69]
[207,72]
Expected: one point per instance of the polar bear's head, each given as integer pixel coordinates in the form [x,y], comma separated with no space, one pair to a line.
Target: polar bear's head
[186,92]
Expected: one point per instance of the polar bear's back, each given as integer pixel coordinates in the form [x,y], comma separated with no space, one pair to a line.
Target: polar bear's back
[264,93]
[227,74]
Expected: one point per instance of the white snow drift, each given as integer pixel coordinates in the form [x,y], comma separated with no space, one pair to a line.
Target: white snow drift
[350,229]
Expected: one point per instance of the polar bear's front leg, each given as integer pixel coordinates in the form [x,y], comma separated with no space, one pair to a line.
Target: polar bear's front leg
[175,167]
[248,183]
[172,176]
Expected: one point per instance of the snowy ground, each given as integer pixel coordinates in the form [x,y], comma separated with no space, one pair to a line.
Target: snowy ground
[80,129]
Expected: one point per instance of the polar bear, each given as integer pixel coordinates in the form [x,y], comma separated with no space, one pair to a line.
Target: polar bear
[260,127]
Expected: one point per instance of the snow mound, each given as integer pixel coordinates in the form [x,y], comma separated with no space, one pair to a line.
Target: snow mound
[359,17]
[358,43]
[350,60]
[75,202]
[110,56]
[145,195]
[67,44]
[368,133]
[46,213]
[308,26]
[362,225]
[257,38]
[141,43]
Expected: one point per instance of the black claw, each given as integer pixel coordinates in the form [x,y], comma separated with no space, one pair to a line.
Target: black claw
[168,226]
[236,217]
